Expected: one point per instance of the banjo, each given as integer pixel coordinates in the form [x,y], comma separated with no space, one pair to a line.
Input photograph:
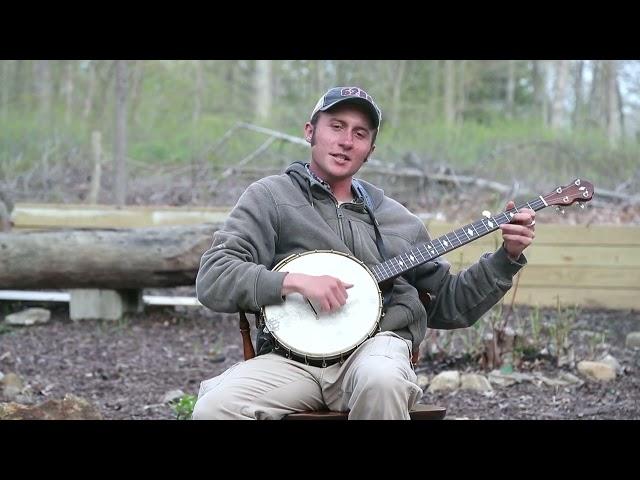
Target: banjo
[307,334]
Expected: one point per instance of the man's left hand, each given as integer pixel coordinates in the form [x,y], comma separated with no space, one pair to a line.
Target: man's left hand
[520,232]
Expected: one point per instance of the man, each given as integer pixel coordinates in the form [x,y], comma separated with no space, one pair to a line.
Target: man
[320,206]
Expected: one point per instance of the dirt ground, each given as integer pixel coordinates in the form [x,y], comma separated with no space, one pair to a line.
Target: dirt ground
[125,368]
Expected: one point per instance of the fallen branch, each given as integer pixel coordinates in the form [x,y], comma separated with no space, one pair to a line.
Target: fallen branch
[129,258]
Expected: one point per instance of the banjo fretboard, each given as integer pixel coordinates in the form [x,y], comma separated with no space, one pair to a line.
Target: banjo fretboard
[577,191]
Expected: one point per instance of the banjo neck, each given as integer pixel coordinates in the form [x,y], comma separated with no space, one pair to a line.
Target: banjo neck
[577,191]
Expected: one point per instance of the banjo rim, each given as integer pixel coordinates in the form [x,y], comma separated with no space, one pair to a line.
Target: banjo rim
[329,358]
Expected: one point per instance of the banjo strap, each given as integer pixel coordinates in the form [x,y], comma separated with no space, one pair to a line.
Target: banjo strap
[362,192]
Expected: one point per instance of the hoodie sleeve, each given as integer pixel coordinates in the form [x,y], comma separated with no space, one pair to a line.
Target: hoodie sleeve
[462,298]
[233,273]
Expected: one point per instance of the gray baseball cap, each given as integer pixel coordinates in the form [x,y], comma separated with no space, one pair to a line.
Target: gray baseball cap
[337,95]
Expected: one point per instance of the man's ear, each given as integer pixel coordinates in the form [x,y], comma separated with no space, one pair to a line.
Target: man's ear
[373,147]
[308,132]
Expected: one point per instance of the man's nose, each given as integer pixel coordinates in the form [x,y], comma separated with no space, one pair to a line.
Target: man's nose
[347,139]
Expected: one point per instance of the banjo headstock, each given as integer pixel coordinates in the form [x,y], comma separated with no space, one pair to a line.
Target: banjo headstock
[577,191]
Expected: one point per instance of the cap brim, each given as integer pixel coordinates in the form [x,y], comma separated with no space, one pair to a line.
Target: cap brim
[373,113]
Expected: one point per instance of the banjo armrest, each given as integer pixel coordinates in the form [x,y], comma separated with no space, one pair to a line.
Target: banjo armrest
[245,330]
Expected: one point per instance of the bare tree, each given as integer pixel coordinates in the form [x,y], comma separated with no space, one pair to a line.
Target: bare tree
[434,89]
[43,89]
[121,133]
[614,127]
[5,84]
[263,89]
[198,91]
[96,146]
[511,87]
[137,67]
[558,111]
[400,67]
[449,92]
[596,110]
[68,91]
[88,99]
[461,94]
[576,117]
[539,76]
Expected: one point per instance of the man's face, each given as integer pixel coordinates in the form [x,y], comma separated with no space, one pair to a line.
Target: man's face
[342,141]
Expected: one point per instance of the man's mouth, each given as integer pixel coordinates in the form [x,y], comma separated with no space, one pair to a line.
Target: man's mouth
[340,157]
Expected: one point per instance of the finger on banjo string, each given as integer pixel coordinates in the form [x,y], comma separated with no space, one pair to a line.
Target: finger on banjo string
[518,239]
[517,229]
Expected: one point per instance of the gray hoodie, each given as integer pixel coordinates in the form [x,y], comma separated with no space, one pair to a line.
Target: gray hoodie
[280,215]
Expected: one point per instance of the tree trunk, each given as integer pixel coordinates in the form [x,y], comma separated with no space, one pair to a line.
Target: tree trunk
[394,117]
[319,86]
[434,93]
[43,89]
[68,91]
[96,146]
[576,117]
[595,96]
[449,93]
[539,89]
[88,100]
[136,87]
[198,92]
[117,259]
[461,93]
[511,87]
[558,111]
[4,85]
[121,133]
[614,129]
[263,89]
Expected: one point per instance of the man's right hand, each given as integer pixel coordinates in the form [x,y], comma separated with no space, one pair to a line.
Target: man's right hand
[328,292]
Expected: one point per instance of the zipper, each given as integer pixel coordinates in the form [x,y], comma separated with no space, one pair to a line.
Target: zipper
[340,217]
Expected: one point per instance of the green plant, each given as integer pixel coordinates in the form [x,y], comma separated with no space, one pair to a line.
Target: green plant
[183,407]
[560,328]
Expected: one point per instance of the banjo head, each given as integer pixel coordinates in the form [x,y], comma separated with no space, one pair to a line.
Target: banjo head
[295,326]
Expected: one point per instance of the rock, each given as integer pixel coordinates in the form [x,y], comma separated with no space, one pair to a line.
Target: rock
[447,380]
[12,386]
[633,340]
[69,408]
[475,382]
[423,381]
[596,370]
[172,395]
[505,380]
[30,316]
[570,378]
[612,362]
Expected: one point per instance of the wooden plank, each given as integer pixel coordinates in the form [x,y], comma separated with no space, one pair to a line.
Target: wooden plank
[580,277]
[561,234]
[601,256]
[585,297]
[32,216]
[40,296]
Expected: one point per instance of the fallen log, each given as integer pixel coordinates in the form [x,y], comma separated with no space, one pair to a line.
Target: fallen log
[111,259]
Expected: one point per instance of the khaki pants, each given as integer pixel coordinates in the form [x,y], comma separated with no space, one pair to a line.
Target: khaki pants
[375,382]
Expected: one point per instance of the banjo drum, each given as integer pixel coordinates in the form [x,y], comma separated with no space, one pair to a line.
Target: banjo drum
[325,336]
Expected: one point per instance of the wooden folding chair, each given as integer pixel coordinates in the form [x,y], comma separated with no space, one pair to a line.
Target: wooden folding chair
[418,412]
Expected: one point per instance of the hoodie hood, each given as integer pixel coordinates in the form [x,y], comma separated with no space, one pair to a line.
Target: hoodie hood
[308,183]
